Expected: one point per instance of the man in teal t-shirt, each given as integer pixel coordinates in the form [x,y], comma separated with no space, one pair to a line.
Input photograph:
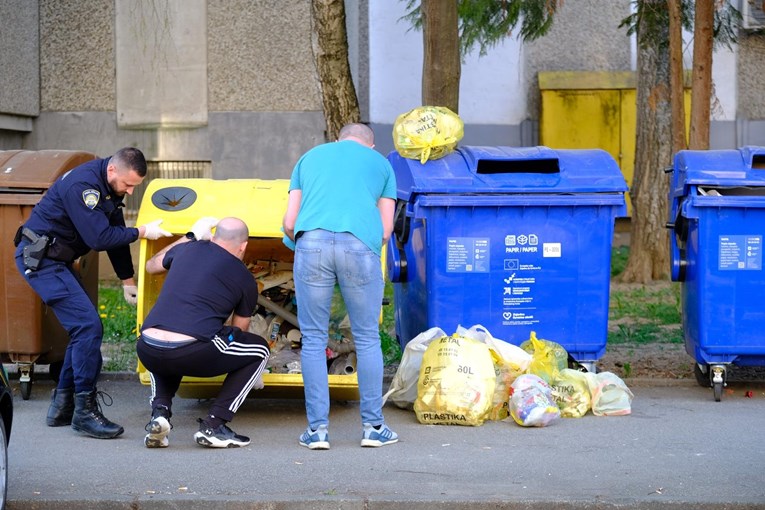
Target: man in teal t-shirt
[339,215]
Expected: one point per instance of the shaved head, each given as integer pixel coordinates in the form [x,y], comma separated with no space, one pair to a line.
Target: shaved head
[231,230]
[360,132]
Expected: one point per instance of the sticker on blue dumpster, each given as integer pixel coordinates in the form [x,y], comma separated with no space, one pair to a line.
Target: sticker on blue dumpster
[517,294]
[740,253]
[467,255]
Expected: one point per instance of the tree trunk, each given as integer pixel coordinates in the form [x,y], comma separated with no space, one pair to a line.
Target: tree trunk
[649,248]
[441,65]
[676,80]
[330,51]
[701,86]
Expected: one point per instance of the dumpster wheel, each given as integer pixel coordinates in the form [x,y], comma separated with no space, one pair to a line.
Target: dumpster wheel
[718,376]
[711,376]
[26,373]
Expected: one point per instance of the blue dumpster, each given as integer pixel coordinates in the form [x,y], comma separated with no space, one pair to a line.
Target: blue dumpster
[717,217]
[514,239]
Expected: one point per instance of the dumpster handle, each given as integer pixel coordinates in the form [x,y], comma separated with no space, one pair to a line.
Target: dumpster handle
[678,259]
[396,261]
[401,222]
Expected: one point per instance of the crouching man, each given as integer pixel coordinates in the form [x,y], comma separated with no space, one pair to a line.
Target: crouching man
[185,334]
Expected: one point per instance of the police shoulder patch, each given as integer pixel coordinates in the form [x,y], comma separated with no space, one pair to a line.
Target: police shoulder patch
[91,197]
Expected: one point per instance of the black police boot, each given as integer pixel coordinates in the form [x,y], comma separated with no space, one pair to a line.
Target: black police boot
[89,420]
[61,407]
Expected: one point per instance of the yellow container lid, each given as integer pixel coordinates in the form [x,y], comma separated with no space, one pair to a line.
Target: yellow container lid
[181,202]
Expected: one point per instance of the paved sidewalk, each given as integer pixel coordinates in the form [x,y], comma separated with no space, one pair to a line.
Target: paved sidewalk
[678,449]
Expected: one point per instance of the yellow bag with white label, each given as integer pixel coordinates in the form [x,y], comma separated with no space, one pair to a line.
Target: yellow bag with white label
[456,383]
[510,361]
[427,132]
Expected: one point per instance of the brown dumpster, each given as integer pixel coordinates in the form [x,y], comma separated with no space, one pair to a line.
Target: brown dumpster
[29,331]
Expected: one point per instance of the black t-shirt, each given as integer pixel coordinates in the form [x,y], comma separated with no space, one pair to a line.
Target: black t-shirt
[204,284]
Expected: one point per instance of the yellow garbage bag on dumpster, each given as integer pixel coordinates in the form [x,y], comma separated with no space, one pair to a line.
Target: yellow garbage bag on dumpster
[456,383]
[427,132]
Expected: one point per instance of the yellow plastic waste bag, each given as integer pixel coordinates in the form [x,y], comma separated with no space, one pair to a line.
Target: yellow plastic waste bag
[510,361]
[571,392]
[427,132]
[456,383]
[547,357]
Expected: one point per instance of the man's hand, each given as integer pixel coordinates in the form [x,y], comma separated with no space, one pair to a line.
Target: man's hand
[203,228]
[152,231]
[131,294]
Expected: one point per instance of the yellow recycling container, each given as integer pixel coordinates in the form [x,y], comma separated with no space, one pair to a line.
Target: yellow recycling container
[261,204]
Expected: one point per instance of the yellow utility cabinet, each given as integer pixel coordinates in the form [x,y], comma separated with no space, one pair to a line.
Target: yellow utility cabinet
[586,110]
[261,204]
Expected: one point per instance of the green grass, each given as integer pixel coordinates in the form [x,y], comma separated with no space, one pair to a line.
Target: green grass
[119,320]
[619,256]
[390,346]
[644,314]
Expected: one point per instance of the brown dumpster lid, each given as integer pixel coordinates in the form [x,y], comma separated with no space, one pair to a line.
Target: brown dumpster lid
[37,169]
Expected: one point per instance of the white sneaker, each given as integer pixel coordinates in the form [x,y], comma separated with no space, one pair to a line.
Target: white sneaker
[158,429]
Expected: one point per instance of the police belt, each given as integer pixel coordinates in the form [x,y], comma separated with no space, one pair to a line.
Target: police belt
[42,246]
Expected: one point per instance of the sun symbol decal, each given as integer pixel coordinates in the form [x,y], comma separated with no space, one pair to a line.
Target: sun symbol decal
[174,198]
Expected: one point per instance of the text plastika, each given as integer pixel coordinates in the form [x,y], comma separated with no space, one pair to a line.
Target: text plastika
[443,417]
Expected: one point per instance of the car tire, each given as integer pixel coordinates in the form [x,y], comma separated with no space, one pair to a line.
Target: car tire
[3,465]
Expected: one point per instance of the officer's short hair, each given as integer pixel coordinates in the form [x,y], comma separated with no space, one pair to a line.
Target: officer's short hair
[131,158]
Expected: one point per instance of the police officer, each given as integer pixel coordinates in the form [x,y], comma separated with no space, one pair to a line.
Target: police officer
[82,211]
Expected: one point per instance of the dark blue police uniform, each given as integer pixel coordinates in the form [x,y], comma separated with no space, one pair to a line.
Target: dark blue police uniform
[80,212]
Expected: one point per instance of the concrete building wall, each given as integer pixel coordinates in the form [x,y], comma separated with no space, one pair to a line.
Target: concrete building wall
[77,59]
[262,145]
[263,100]
[751,76]
[19,64]
[161,56]
[259,56]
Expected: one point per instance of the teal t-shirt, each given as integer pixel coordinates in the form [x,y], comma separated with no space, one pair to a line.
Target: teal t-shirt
[341,183]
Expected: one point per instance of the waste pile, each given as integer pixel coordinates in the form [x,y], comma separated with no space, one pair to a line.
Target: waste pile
[470,377]
[275,319]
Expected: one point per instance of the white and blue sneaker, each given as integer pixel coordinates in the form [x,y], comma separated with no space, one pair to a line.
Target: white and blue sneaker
[315,439]
[220,437]
[378,436]
[158,429]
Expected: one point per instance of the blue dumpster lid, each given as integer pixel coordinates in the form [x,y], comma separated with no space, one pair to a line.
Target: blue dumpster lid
[474,169]
[721,168]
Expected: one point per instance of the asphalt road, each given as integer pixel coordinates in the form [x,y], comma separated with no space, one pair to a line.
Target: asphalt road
[678,449]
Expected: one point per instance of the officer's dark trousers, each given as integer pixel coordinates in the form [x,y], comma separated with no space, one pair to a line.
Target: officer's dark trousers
[243,357]
[59,288]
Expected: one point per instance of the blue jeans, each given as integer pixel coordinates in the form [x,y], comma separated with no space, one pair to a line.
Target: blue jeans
[323,258]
